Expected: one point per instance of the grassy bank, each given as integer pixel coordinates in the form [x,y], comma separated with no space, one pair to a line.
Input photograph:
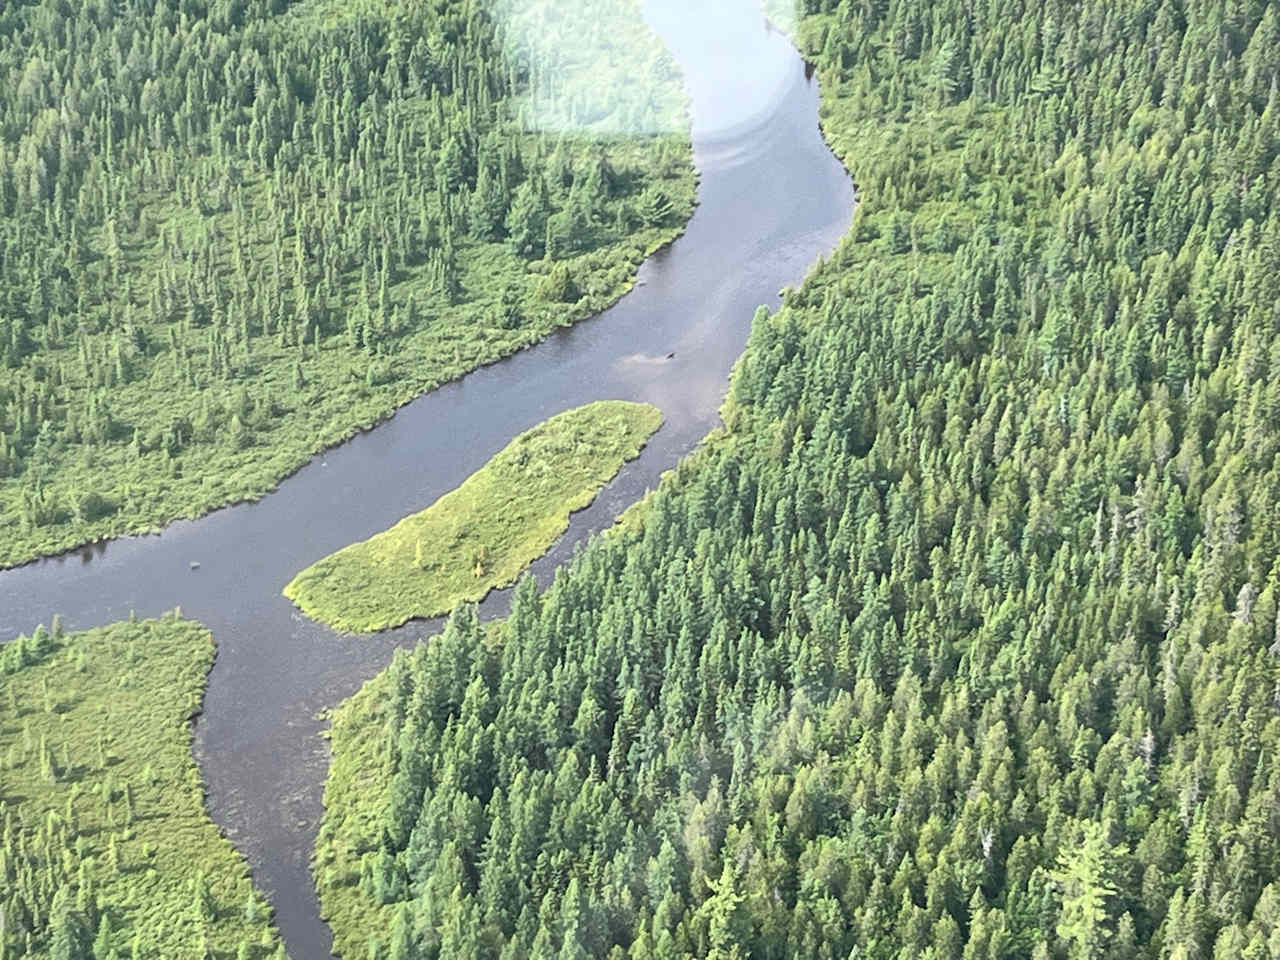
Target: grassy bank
[355,795]
[485,532]
[107,844]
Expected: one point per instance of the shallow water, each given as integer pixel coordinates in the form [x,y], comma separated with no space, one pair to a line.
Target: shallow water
[772,199]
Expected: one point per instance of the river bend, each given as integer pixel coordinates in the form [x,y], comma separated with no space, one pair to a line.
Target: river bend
[772,200]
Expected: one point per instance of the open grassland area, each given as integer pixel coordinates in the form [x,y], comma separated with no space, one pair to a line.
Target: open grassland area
[481,535]
[108,850]
[288,220]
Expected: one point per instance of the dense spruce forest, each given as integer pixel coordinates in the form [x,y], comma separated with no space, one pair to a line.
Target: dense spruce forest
[962,641]
[233,232]
[108,852]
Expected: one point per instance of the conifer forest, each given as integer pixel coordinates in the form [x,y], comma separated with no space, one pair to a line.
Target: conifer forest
[958,640]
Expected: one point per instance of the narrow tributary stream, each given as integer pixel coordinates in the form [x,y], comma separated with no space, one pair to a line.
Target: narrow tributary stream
[772,200]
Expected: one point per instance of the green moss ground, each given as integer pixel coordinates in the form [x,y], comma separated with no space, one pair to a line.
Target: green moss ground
[108,827]
[485,532]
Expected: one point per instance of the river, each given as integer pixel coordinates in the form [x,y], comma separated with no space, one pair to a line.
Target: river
[772,200]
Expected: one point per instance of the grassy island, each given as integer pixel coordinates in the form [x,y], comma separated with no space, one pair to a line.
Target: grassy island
[485,532]
[108,850]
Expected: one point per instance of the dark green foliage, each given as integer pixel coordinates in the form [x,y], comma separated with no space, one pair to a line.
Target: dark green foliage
[963,642]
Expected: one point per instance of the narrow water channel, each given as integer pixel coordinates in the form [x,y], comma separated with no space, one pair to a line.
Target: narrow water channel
[772,199]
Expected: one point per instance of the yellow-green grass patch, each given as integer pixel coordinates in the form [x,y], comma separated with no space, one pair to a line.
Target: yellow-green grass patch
[481,535]
[355,796]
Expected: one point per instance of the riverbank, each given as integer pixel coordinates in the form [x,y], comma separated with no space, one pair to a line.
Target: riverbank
[107,840]
[357,790]
[225,333]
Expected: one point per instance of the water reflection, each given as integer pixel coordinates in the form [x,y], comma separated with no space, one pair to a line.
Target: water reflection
[736,69]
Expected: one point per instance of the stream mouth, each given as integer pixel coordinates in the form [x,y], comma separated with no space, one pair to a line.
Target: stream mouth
[772,200]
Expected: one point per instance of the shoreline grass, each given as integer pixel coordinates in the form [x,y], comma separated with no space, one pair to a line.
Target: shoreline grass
[107,839]
[335,403]
[482,534]
[356,792]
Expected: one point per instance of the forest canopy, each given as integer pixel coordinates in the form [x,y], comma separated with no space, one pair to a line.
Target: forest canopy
[963,642]
[233,233]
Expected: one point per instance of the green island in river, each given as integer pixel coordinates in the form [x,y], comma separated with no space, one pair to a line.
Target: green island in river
[108,849]
[481,535]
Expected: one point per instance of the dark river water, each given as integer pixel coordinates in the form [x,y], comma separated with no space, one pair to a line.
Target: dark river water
[772,200]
